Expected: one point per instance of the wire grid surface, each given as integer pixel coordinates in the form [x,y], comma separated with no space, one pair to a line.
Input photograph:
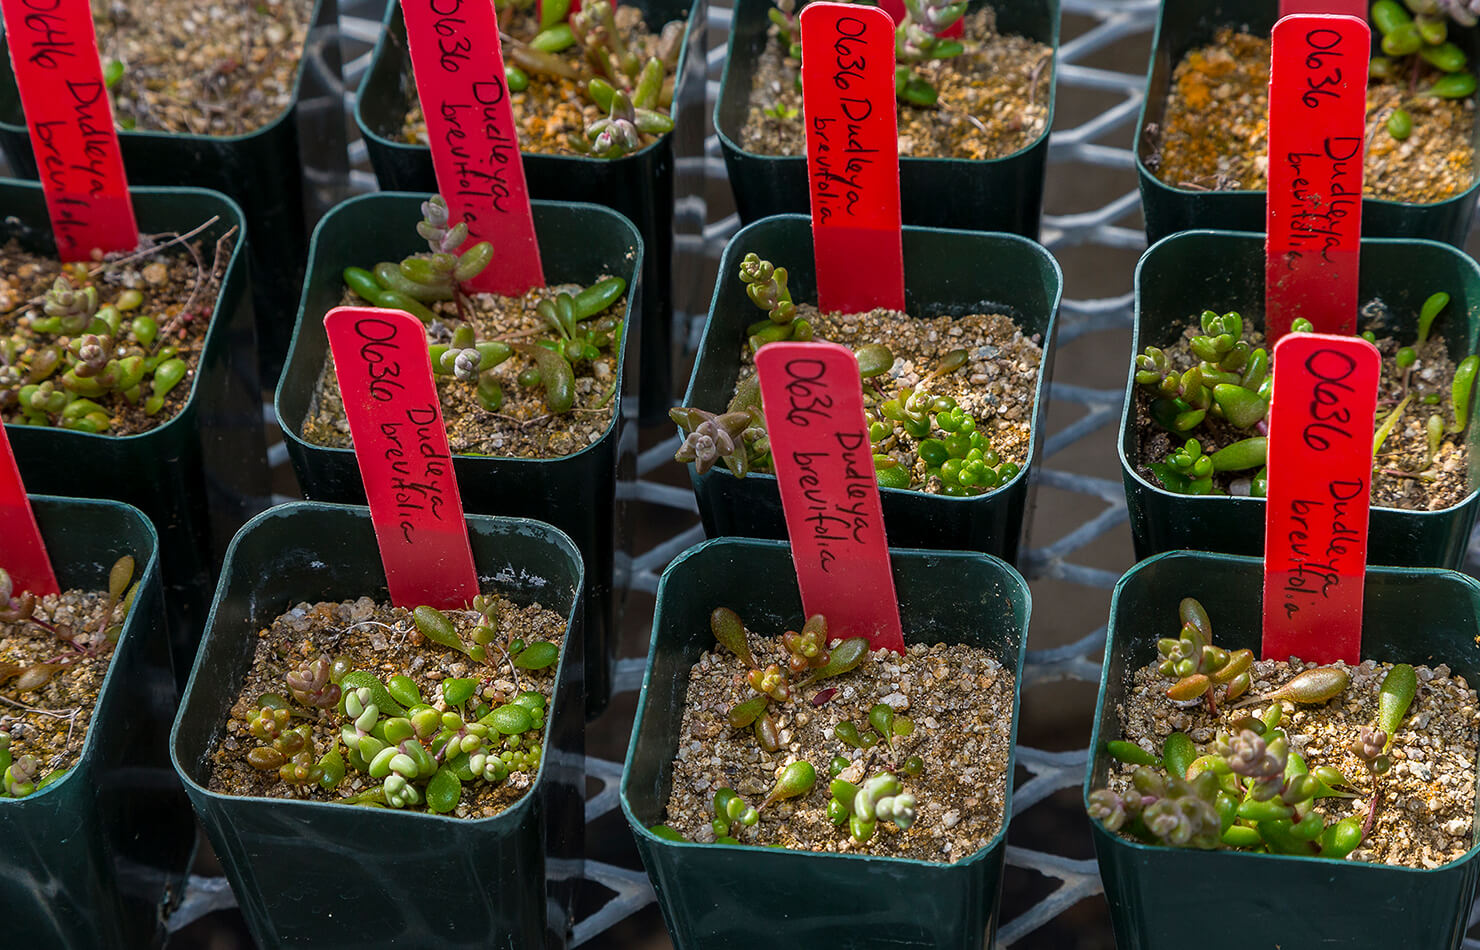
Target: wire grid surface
[697,236]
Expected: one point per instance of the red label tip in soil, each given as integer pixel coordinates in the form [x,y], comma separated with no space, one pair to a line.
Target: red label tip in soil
[1317,130]
[459,70]
[1320,479]
[22,550]
[1356,8]
[395,419]
[54,52]
[825,467]
[852,156]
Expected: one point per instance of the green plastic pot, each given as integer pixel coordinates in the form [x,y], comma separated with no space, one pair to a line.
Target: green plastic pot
[742,897]
[338,876]
[1001,194]
[1219,270]
[261,170]
[638,186]
[202,473]
[93,860]
[1187,24]
[945,272]
[576,493]
[1264,900]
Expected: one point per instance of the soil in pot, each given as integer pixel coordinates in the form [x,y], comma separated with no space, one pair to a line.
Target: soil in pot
[561,79]
[528,377]
[54,655]
[924,736]
[949,399]
[1421,465]
[1422,772]
[993,98]
[218,70]
[1215,135]
[110,346]
[365,703]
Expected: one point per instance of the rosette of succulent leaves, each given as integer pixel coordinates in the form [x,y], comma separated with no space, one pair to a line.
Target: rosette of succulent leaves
[65,364]
[1416,49]
[944,436]
[919,38]
[20,775]
[1251,791]
[419,282]
[634,89]
[413,751]
[1231,381]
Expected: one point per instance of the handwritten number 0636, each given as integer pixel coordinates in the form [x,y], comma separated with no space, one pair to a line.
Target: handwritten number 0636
[1322,43]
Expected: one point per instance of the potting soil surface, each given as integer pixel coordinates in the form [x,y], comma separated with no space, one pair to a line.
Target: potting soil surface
[996,385]
[1400,477]
[51,720]
[523,427]
[1215,134]
[1426,812]
[205,69]
[959,699]
[179,283]
[382,640]
[994,98]
[553,109]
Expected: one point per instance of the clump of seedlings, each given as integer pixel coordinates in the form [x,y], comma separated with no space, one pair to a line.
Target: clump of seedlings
[410,750]
[955,454]
[21,772]
[579,329]
[92,347]
[1417,51]
[1227,387]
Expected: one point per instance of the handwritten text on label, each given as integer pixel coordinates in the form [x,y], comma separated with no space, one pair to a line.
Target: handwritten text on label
[852,156]
[825,466]
[475,149]
[395,419]
[1320,473]
[1317,127]
[54,52]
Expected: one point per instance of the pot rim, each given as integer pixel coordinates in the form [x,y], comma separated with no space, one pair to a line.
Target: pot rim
[233,265]
[307,809]
[640,830]
[131,622]
[291,433]
[1147,852]
[1127,415]
[1040,389]
[730,142]
[392,14]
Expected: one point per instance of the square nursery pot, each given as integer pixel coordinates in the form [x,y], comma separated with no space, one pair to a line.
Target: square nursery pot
[742,896]
[1219,270]
[344,876]
[95,859]
[638,186]
[576,493]
[945,272]
[262,171]
[1267,900]
[1000,194]
[202,473]
[1185,25]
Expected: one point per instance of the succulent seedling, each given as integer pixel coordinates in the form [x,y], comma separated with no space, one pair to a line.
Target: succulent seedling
[861,807]
[1196,665]
[1394,697]
[1416,49]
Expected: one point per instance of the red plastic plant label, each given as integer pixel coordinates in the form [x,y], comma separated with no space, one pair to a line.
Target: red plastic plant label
[475,145]
[1356,8]
[852,156]
[54,52]
[825,466]
[1315,517]
[1317,129]
[395,419]
[22,551]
